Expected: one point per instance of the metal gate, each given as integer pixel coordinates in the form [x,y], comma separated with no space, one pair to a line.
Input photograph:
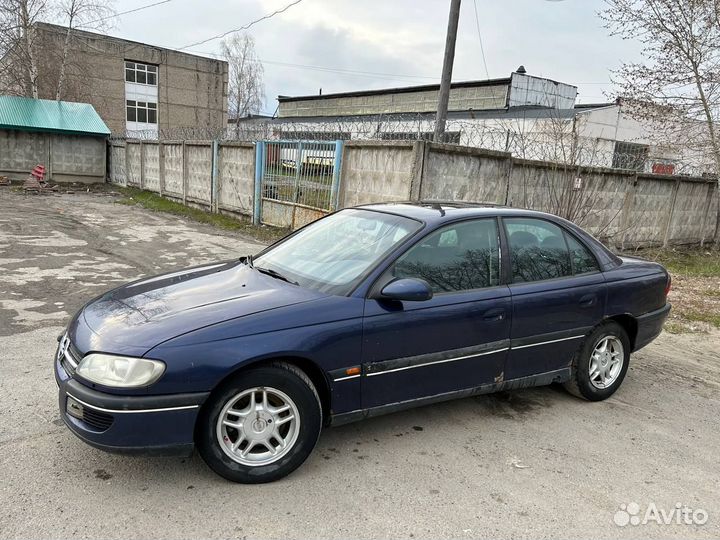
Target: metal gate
[296,181]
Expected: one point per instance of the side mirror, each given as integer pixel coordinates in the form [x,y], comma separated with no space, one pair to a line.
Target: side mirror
[408,289]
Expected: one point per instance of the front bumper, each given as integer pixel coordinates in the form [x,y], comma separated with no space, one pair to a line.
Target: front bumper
[155,425]
[650,325]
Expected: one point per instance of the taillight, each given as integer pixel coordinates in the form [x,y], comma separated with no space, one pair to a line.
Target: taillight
[668,286]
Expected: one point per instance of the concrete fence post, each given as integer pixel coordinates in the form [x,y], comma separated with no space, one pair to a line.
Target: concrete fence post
[509,169]
[420,151]
[706,213]
[184,173]
[214,196]
[142,165]
[714,212]
[257,197]
[127,162]
[666,236]
[627,210]
[161,167]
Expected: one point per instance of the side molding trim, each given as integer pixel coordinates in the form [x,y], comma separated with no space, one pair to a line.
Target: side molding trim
[542,379]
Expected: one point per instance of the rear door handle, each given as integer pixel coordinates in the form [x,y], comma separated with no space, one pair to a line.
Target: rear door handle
[496,314]
[588,300]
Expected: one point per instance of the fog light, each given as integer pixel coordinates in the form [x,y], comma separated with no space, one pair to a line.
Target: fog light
[74,408]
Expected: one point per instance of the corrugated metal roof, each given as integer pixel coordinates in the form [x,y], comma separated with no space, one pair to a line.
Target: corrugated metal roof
[46,115]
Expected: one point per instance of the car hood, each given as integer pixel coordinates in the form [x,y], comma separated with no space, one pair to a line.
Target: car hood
[147,312]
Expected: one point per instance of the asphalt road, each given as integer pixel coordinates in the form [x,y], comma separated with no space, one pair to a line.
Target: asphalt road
[533,463]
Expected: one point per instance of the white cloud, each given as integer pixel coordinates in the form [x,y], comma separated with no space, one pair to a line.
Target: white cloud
[560,40]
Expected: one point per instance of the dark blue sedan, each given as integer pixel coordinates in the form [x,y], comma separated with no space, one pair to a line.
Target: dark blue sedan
[367,311]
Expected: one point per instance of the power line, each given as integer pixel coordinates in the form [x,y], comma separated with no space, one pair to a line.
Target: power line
[482,49]
[369,74]
[245,27]
[358,73]
[128,11]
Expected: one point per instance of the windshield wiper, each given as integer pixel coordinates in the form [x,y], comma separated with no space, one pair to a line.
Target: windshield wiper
[275,274]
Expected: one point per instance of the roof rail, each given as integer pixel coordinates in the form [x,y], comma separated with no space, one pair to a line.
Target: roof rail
[457,204]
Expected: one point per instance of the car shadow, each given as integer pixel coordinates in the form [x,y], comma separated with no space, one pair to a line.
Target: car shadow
[338,446]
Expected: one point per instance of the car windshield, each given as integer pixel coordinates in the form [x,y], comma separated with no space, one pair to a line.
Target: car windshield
[333,254]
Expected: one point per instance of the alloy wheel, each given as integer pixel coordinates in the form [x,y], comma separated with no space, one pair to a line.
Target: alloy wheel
[258,426]
[606,362]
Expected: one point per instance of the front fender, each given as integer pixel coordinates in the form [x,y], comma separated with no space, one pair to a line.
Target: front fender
[199,361]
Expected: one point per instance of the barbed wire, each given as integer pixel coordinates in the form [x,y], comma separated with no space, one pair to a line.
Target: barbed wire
[550,141]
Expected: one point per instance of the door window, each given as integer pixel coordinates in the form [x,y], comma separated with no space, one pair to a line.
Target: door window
[537,250]
[583,262]
[542,250]
[458,257]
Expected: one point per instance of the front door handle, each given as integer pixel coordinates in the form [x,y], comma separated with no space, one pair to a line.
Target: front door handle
[588,300]
[496,314]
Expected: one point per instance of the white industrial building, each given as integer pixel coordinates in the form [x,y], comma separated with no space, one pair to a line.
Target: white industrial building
[531,117]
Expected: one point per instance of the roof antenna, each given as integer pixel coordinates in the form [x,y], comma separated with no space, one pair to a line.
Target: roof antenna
[521,70]
[437,206]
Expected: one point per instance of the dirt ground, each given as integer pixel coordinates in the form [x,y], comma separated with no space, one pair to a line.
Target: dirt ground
[534,463]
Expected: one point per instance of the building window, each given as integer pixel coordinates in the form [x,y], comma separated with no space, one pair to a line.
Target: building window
[141,111]
[630,156]
[141,73]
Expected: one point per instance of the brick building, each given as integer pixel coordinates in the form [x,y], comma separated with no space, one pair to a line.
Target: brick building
[135,86]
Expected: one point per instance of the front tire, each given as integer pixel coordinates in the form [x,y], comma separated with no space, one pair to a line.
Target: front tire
[261,425]
[600,365]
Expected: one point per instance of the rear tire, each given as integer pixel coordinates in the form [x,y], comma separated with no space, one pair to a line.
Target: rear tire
[599,367]
[260,425]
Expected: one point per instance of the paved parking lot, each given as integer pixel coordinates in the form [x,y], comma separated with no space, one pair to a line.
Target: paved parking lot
[531,463]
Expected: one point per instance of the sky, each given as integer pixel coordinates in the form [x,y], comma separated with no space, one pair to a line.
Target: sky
[346,45]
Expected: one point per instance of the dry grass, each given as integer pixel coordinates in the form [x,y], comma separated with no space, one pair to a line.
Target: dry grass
[153,201]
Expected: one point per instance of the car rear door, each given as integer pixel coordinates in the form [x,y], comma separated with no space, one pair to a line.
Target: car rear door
[558,295]
[458,339]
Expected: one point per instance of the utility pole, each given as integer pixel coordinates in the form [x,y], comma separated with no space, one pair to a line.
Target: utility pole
[444,96]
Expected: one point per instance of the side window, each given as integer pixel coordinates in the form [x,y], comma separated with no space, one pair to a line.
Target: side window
[583,261]
[458,257]
[537,250]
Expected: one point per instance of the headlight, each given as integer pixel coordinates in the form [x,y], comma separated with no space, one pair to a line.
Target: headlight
[120,371]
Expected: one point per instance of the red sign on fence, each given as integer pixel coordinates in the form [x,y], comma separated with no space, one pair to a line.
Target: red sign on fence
[663,168]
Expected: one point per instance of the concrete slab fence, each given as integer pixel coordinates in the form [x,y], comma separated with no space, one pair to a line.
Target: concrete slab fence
[211,174]
[623,208]
[67,158]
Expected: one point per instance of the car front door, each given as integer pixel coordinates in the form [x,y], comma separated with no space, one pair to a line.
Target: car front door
[458,339]
[558,295]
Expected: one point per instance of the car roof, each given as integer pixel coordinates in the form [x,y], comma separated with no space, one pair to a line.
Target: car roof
[432,212]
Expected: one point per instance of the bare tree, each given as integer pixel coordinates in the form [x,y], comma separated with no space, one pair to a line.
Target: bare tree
[33,61]
[94,14]
[557,140]
[246,92]
[677,85]
[18,64]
